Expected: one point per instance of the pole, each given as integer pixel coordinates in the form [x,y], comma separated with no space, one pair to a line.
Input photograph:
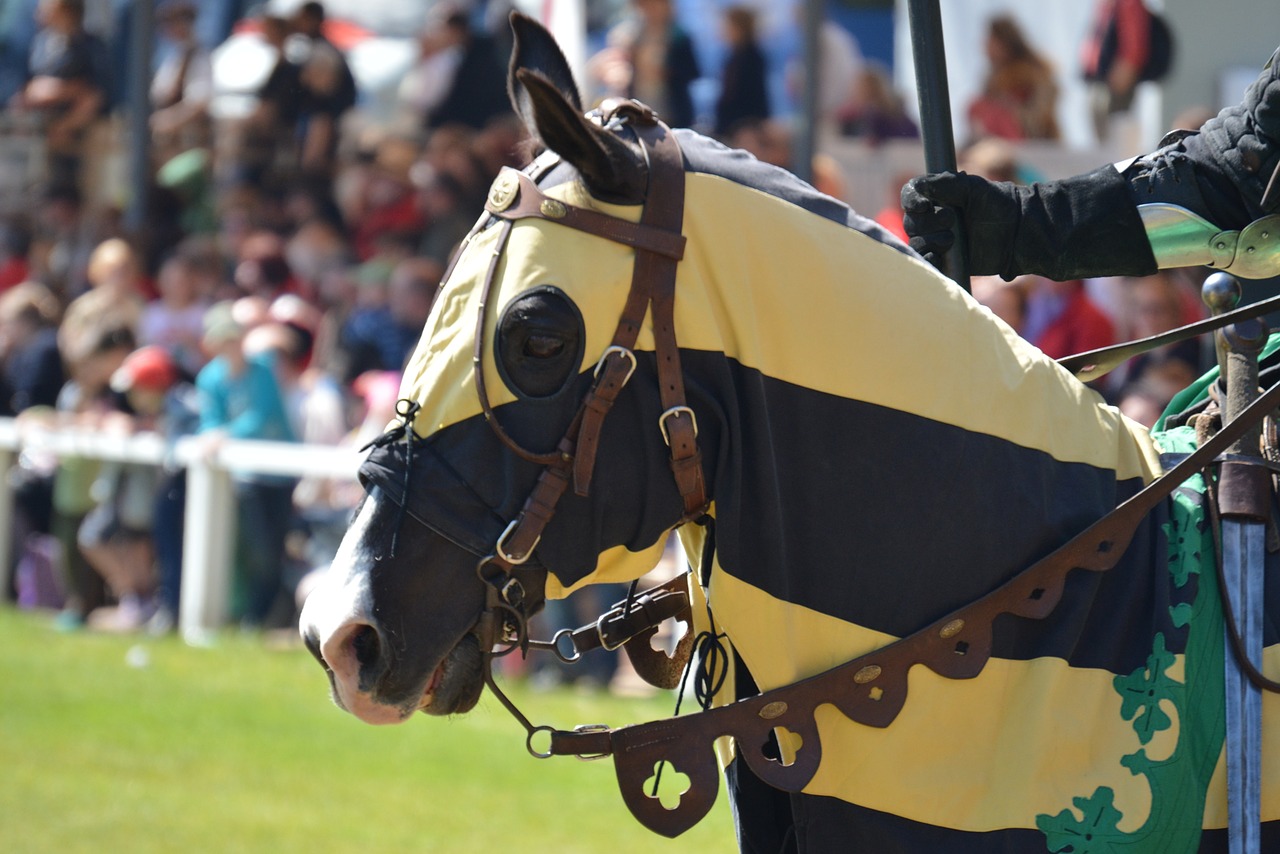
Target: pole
[929,55]
[806,140]
[138,111]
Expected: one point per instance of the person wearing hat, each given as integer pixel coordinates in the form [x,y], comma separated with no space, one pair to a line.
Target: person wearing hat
[239,398]
[163,401]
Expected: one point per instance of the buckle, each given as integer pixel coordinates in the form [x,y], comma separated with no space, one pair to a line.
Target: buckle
[614,348]
[674,412]
[605,617]
[502,552]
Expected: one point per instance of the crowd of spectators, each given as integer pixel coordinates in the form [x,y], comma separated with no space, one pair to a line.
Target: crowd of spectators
[290,257]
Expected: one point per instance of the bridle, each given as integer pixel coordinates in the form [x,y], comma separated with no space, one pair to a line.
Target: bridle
[659,246]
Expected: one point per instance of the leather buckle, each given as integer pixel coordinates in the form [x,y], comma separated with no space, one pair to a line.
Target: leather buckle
[515,560]
[675,412]
[614,348]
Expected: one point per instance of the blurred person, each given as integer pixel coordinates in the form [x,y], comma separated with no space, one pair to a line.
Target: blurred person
[31,372]
[315,248]
[312,399]
[1144,401]
[875,110]
[85,401]
[388,204]
[1019,97]
[1155,304]
[1112,58]
[239,398]
[268,135]
[443,201]
[381,338]
[68,85]
[175,319]
[328,90]
[470,76]
[744,93]
[163,402]
[182,85]
[840,61]
[262,269]
[115,537]
[15,251]
[649,57]
[63,238]
[1061,319]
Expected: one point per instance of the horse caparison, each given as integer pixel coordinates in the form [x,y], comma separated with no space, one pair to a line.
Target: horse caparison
[877,452]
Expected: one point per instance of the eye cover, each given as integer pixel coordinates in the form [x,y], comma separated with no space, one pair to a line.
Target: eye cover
[539,342]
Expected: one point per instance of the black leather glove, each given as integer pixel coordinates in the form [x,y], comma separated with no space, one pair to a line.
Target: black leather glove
[1070,229]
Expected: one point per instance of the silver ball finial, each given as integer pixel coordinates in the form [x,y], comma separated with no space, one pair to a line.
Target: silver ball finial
[1221,292]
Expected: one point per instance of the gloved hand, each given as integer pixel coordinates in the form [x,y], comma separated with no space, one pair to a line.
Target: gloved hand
[930,204]
[1070,229]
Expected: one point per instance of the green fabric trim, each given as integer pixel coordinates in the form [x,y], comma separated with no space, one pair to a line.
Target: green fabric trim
[1179,784]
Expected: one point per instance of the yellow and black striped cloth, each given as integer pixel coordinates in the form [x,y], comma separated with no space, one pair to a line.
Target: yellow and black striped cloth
[885,451]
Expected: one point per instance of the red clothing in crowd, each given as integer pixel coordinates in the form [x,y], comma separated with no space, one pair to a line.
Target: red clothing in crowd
[1080,327]
[1132,31]
[13,272]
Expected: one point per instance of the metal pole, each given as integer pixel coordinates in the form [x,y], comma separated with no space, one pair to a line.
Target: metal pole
[138,112]
[929,55]
[806,140]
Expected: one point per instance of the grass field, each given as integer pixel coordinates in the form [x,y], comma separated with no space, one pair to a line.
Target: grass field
[139,745]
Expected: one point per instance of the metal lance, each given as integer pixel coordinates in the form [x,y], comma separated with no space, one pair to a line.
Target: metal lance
[1244,501]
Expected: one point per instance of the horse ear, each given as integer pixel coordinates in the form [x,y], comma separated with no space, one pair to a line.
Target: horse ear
[536,50]
[546,98]
[609,167]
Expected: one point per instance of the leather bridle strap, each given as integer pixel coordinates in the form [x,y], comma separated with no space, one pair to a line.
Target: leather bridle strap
[659,246]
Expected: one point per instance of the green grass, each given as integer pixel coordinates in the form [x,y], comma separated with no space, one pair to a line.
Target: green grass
[237,748]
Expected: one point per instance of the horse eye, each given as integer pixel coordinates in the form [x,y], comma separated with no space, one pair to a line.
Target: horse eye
[543,346]
[539,342]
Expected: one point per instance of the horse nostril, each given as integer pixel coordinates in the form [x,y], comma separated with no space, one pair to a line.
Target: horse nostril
[366,646]
[311,640]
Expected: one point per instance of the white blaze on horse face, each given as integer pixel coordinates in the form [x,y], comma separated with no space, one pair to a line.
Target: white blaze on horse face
[343,597]
[339,610]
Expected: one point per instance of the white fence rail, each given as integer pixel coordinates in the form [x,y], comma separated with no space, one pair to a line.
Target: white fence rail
[210,514]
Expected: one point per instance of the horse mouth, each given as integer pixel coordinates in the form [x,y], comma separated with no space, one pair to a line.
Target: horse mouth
[456,684]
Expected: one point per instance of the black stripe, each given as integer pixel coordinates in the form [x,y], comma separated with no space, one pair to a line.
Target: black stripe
[889,520]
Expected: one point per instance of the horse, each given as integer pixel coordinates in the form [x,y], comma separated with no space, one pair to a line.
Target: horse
[849,448]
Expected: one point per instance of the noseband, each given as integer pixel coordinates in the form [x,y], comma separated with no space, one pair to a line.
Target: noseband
[659,246]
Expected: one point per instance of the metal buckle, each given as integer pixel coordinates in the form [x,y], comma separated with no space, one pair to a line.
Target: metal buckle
[502,553]
[592,728]
[614,348]
[604,644]
[672,413]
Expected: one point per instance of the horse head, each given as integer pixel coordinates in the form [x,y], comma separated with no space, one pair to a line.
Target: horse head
[511,366]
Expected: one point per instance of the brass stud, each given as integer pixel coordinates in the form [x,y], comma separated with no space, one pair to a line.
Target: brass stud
[867,674]
[553,209]
[773,710]
[951,629]
[503,191]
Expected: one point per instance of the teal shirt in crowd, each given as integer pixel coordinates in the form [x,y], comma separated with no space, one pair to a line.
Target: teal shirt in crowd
[249,406]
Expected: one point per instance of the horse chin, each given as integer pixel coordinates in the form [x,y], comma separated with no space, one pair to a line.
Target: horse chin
[459,681]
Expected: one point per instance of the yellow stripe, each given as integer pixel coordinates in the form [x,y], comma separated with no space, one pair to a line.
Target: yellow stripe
[799,298]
